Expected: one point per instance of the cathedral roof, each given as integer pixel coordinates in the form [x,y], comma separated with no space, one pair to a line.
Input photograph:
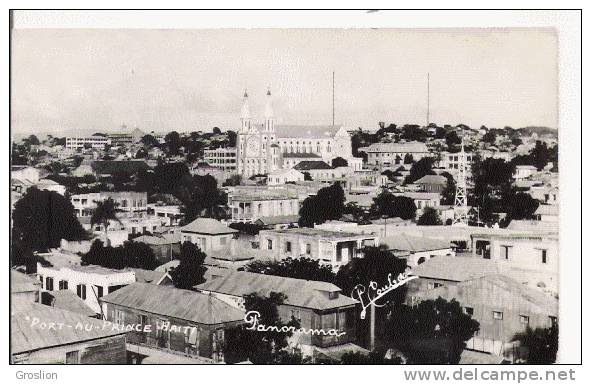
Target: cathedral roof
[307,131]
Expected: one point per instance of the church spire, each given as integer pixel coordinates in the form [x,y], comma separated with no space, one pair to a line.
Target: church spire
[245,112]
[269,106]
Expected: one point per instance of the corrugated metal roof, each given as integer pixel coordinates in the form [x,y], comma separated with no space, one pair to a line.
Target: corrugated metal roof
[19,282]
[24,337]
[173,302]
[455,268]
[207,226]
[69,301]
[300,293]
[405,242]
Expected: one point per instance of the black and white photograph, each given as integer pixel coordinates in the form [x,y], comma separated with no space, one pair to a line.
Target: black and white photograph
[247,195]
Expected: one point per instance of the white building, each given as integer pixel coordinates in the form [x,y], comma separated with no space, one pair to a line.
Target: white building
[80,142]
[248,207]
[284,176]
[524,171]
[221,158]
[89,282]
[207,234]
[388,154]
[261,148]
[85,204]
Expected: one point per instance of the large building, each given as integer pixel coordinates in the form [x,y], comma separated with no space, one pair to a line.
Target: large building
[221,158]
[390,154]
[261,149]
[94,141]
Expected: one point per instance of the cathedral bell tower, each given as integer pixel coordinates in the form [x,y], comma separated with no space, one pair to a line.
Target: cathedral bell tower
[245,114]
[269,121]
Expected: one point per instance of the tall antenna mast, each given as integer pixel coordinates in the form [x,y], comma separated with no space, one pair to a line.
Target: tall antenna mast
[428,98]
[333,98]
[461,201]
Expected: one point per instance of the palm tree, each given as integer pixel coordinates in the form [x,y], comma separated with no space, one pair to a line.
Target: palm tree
[105,211]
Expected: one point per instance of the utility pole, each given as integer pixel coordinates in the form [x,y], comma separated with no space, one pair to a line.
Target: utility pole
[461,201]
[333,98]
[428,99]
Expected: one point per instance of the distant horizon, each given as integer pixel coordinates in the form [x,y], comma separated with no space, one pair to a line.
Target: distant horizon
[83,80]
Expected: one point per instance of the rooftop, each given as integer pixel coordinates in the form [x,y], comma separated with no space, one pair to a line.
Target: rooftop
[431,179]
[301,155]
[455,268]
[300,293]
[26,338]
[207,226]
[273,220]
[405,242]
[168,301]
[320,233]
[19,282]
[409,147]
[307,131]
[69,301]
[311,165]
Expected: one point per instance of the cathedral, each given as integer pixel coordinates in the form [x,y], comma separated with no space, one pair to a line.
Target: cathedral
[261,149]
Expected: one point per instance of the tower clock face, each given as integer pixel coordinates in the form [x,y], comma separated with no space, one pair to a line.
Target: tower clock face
[252,147]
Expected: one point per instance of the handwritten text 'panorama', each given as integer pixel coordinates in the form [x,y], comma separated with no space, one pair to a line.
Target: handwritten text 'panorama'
[252,318]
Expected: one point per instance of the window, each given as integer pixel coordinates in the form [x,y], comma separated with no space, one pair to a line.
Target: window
[308,249]
[72,357]
[544,256]
[269,244]
[288,246]
[49,283]
[524,319]
[118,317]
[63,284]
[469,311]
[81,291]
[497,315]
[505,249]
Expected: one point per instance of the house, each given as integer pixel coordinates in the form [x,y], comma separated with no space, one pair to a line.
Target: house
[221,158]
[329,247]
[448,271]
[290,160]
[108,168]
[89,282]
[431,183]
[167,214]
[387,154]
[249,206]
[278,222]
[151,277]
[503,307]
[24,289]
[85,204]
[424,199]
[24,177]
[207,234]
[68,301]
[321,171]
[524,171]
[164,246]
[284,176]
[547,213]
[416,250]
[80,339]
[316,304]
[180,321]
[530,257]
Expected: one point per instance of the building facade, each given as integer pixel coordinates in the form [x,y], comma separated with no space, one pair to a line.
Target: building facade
[221,158]
[80,142]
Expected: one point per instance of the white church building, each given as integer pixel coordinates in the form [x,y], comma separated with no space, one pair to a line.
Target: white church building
[261,149]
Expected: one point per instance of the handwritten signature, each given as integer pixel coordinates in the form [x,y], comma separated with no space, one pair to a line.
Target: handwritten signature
[368,296]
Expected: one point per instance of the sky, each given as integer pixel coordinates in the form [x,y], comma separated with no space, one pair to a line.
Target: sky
[95,80]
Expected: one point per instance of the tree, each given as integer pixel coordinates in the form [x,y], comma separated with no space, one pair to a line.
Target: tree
[31,140]
[307,176]
[419,169]
[216,131]
[386,204]
[452,138]
[130,255]
[173,142]
[190,270]
[541,344]
[408,159]
[339,162]
[432,332]
[376,265]
[448,195]
[104,213]
[41,219]
[231,135]
[260,347]
[328,204]
[232,181]
[205,199]
[299,268]
[429,217]
[490,137]
[518,205]
[149,141]
[358,213]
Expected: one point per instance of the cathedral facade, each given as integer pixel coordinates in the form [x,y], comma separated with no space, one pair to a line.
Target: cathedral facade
[261,148]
